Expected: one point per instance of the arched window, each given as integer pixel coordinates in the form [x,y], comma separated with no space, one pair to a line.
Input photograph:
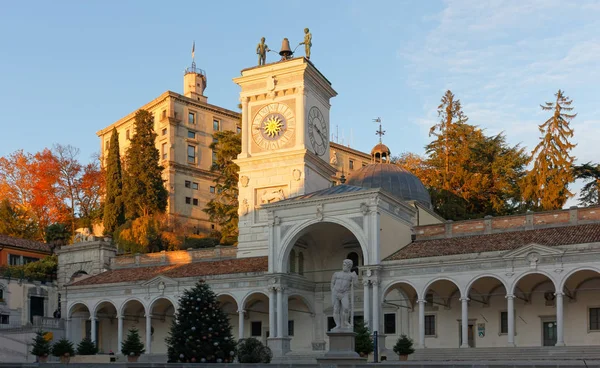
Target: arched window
[301,263]
[353,256]
[1,294]
[293,261]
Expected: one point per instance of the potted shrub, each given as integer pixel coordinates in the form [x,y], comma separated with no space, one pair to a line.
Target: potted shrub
[404,347]
[363,344]
[41,347]
[64,350]
[87,347]
[251,350]
[132,347]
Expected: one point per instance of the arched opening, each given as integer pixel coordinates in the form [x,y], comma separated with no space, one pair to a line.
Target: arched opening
[106,326]
[163,312]
[536,319]
[300,322]
[488,310]
[442,311]
[582,307]
[79,322]
[229,306]
[399,312]
[353,256]
[256,317]
[134,316]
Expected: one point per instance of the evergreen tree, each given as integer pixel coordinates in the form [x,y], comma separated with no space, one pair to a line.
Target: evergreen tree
[590,174]
[114,208]
[363,344]
[57,235]
[223,208]
[132,346]
[63,348]
[15,222]
[201,331]
[404,346]
[145,192]
[87,347]
[40,346]
[546,185]
[251,350]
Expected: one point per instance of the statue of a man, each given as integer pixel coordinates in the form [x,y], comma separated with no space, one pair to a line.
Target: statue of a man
[342,283]
[307,42]
[261,50]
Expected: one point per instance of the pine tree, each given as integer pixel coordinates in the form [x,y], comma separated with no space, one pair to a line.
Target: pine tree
[132,346]
[114,208]
[201,331]
[40,346]
[546,185]
[590,174]
[145,192]
[404,346]
[363,344]
[87,347]
[63,348]
[223,208]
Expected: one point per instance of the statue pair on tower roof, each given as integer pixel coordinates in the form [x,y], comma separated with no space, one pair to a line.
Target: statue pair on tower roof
[286,52]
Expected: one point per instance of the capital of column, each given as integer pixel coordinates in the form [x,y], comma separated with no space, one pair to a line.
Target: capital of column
[464,299]
[366,282]
[241,311]
[509,296]
[244,99]
[120,316]
[421,301]
[559,294]
[375,282]
[93,318]
[148,315]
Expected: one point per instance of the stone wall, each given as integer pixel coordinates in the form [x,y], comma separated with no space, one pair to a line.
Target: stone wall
[172,257]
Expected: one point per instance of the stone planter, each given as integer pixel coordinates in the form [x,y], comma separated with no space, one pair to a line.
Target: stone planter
[403,357]
[132,358]
[42,359]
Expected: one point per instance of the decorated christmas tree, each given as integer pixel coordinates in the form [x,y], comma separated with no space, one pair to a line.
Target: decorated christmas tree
[201,331]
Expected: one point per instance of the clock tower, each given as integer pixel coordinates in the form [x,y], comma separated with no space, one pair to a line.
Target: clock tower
[285,142]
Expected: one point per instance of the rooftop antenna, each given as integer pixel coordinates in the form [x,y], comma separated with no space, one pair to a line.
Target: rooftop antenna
[380,132]
[194,55]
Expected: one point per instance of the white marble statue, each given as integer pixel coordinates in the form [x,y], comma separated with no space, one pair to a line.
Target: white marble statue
[342,285]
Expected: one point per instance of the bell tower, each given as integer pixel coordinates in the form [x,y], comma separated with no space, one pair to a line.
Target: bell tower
[285,142]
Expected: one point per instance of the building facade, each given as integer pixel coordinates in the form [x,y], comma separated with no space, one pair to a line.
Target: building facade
[526,280]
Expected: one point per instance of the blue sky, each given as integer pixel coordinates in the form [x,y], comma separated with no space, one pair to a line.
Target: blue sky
[70,68]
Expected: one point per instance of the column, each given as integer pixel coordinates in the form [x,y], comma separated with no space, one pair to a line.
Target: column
[245,128]
[510,305]
[93,320]
[367,312]
[119,333]
[560,339]
[286,311]
[241,314]
[68,328]
[465,322]
[272,309]
[421,303]
[300,113]
[376,306]
[279,312]
[148,346]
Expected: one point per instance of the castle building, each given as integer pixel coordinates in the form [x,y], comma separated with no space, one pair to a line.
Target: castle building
[527,280]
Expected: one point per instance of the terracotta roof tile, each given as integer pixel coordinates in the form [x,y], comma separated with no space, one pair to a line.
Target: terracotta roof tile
[27,244]
[205,268]
[579,234]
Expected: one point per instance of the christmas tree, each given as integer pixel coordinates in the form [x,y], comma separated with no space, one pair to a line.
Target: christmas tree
[41,346]
[201,331]
[87,347]
[363,343]
[132,346]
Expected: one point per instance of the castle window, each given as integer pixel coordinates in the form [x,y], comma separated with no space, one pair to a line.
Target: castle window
[127,134]
[216,125]
[214,157]
[14,260]
[351,164]
[293,261]
[195,201]
[164,131]
[430,325]
[1,295]
[191,134]
[107,145]
[255,328]
[212,189]
[503,322]
[191,118]
[291,328]
[195,186]
[164,151]
[188,184]
[238,130]
[164,114]
[4,319]
[594,319]
[188,200]
[389,323]
[301,263]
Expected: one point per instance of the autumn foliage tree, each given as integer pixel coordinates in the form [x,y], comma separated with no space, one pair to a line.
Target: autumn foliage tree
[546,186]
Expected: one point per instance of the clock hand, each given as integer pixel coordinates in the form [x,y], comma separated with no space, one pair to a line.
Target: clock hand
[321,135]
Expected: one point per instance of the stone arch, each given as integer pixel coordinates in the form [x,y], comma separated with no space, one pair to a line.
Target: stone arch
[158,298]
[411,295]
[99,304]
[527,273]
[566,277]
[124,304]
[485,275]
[442,278]
[292,236]
[70,309]
[301,297]
[242,304]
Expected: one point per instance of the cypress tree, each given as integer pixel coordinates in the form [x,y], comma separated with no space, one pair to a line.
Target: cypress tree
[145,192]
[114,210]
[546,185]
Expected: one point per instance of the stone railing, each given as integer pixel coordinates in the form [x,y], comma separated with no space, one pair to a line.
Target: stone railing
[492,225]
[173,257]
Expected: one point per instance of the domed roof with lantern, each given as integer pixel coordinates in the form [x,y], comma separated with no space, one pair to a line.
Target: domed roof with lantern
[381,173]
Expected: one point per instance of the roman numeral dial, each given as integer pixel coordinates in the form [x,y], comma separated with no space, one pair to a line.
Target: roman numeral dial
[317,130]
[273,126]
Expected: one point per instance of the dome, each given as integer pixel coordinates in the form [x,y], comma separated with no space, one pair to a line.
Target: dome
[395,180]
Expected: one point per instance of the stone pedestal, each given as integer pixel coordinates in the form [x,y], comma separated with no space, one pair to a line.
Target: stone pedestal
[279,345]
[341,350]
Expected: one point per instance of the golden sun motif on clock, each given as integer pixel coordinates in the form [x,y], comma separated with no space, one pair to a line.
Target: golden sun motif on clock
[273,126]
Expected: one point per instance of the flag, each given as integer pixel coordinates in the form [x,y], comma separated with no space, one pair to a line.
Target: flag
[193,49]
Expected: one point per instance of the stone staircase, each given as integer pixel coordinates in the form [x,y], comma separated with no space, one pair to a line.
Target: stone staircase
[516,353]
[15,348]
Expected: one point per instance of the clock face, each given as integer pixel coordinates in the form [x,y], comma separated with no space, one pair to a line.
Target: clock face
[273,126]
[317,130]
